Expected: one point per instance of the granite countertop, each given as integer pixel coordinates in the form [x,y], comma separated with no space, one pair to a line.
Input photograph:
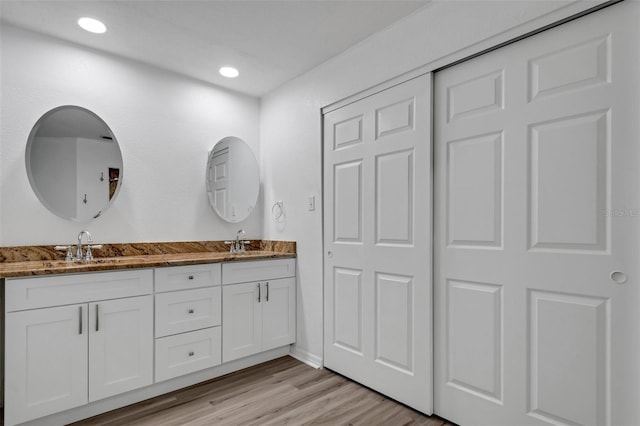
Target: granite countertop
[27,261]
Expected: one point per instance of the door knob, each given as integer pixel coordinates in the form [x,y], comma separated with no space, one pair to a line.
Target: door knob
[330,254]
[618,277]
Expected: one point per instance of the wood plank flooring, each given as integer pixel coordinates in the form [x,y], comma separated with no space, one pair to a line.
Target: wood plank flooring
[280,392]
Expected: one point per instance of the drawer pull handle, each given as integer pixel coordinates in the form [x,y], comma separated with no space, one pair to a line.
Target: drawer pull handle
[191,353]
[190,277]
[191,311]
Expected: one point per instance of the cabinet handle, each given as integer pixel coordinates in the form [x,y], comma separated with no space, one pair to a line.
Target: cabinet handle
[80,319]
[191,353]
[190,277]
[258,292]
[191,311]
[97,318]
[267,295]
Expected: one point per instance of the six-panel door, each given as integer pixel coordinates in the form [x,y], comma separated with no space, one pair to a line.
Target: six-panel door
[537,204]
[377,237]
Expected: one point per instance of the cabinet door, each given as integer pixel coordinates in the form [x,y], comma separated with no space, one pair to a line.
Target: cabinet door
[278,313]
[46,350]
[120,346]
[241,320]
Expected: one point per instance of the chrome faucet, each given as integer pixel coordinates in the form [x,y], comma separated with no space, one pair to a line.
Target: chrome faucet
[240,242]
[237,246]
[88,255]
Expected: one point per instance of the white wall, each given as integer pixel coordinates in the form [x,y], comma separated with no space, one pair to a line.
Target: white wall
[165,125]
[291,146]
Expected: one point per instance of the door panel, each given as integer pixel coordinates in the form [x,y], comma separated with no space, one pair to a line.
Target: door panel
[536,228]
[46,350]
[377,157]
[278,313]
[482,337]
[241,320]
[120,346]
[347,310]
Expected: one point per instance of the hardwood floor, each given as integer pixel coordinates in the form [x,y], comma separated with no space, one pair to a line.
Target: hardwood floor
[280,392]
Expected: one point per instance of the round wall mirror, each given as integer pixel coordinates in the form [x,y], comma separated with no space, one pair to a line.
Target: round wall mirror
[74,163]
[233,179]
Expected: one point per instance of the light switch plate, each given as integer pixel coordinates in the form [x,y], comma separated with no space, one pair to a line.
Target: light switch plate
[312,203]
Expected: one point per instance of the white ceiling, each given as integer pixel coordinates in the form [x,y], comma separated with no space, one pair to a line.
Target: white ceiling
[269,41]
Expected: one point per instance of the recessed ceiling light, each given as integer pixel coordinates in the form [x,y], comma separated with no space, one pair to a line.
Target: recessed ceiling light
[229,72]
[92,25]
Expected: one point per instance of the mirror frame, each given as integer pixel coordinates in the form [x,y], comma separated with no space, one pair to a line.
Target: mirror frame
[37,192]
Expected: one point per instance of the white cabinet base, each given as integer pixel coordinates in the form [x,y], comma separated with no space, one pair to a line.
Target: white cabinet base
[118,401]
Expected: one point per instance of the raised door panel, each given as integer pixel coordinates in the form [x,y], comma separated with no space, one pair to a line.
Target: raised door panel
[278,313]
[347,310]
[474,316]
[120,346]
[46,350]
[394,334]
[241,320]
[474,184]
[395,197]
[578,222]
[569,367]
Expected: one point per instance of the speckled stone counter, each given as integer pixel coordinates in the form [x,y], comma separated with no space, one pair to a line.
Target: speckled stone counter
[23,261]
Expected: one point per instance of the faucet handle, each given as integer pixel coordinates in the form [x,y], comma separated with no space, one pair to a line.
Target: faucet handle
[88,255]
[232,249]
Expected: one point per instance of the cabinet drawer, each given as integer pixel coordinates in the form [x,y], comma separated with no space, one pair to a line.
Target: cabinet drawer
[258,270]
[188,352]
[186,277]
[188,310]
[56,290]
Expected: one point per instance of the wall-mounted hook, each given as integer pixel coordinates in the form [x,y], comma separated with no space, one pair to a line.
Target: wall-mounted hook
[101,176]
[85,199]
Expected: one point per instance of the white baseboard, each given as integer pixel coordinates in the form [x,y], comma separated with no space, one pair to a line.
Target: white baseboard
[306,357]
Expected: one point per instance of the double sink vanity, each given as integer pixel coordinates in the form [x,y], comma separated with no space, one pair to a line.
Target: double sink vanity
[90,328]
[138,320]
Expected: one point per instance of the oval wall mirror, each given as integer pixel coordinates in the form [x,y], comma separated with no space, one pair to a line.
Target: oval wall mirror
[233,179]
[74,163]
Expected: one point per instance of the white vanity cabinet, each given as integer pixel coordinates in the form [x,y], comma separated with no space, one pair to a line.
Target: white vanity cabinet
[72,341]
[188,312]
[258,314]
[97,343]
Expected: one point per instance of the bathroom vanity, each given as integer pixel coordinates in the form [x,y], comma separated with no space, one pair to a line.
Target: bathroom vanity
[123,329]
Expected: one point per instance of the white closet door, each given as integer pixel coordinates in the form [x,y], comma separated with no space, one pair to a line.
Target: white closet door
[377,193]
[537,284]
